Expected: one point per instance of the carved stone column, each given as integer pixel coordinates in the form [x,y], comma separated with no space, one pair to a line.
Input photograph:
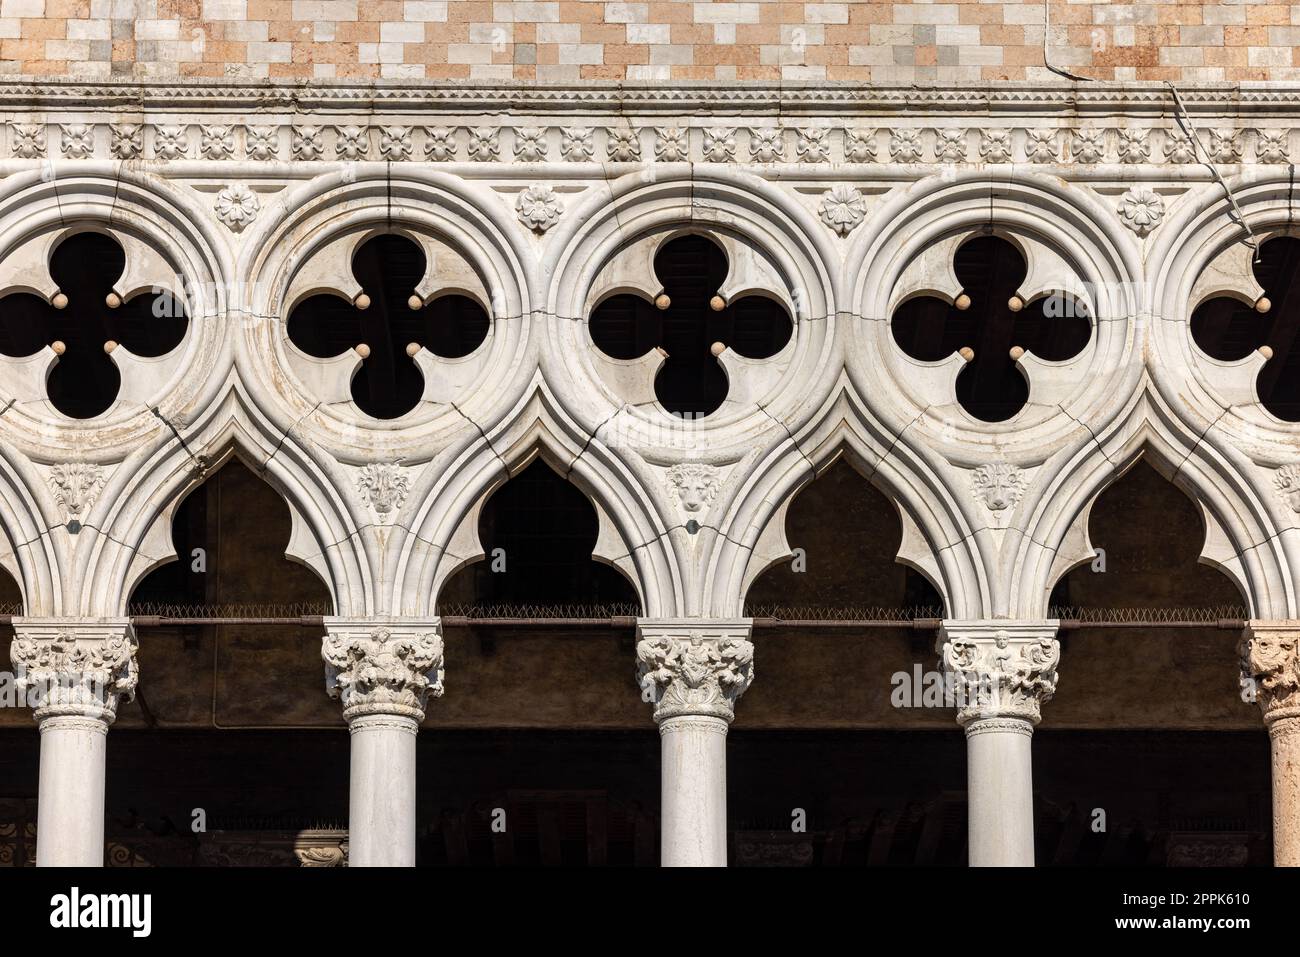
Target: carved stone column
[1270,673]
[1001,673]
[384,671]
[693,671]
[73,672]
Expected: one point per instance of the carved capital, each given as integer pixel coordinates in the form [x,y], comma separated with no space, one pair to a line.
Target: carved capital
[75,667]
[1270,669]
[1000,669]
[383,666]
[693,666]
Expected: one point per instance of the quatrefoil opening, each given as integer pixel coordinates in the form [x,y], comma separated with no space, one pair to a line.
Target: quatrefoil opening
[692,325]
[992,326]
[1228,329]
[388,324]
[81,328]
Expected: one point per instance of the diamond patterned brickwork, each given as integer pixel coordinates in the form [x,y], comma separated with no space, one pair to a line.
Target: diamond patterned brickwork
[573,40]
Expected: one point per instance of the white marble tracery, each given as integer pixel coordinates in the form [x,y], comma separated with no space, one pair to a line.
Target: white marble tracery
[840,245]
[538,210]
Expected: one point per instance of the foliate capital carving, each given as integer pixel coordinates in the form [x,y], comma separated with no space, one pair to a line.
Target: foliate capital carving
[74,667]
[694,666]
[1270,669]
[383,667]
[1002,669]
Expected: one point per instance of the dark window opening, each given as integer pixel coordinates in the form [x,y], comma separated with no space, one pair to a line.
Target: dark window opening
[241,526]
[230,535]
[388,268]
[990,386]
[691,382]
[1229,330]
[849,534]
[545,530]
[85,381]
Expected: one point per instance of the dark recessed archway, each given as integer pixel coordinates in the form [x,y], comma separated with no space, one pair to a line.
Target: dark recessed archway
[230,536]
[538,532]
[1131,700]
[848,535]
[1152,535]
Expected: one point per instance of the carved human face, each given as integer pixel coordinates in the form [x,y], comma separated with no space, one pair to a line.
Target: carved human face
[963,653]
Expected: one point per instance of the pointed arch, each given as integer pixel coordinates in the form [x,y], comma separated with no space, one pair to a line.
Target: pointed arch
[443,533]
[1242,540]
[938,540]
[128,531]
[27,551]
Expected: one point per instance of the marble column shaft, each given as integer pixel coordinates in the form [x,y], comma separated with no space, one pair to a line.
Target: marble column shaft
[693,671]
[1002,673]
[384,672]
[1270,671]
[74,672]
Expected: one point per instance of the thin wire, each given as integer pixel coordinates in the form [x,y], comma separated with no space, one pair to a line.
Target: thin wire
[1189,130]
[1047,28]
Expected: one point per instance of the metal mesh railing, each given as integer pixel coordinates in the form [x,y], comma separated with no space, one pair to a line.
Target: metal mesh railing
[294,609]
[1210,615]
[838,614]
[509,612]
[622,614]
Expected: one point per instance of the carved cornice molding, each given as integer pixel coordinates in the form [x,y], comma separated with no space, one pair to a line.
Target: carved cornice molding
[557,145]
[46,94]
[74,667]
[383,667]
[1270,670]
[1002,669]
[698,667]
[775,126]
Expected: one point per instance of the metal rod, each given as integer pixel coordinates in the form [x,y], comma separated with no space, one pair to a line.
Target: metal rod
[159,621]
[629,621]
[1222,624]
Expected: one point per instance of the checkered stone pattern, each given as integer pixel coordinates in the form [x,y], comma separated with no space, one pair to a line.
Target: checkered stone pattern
[574,40]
